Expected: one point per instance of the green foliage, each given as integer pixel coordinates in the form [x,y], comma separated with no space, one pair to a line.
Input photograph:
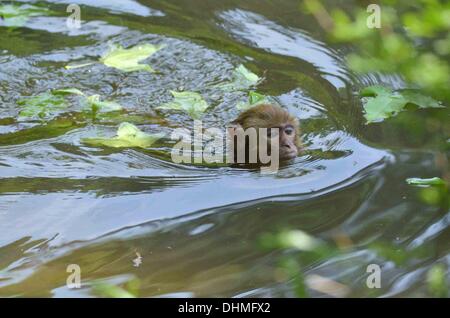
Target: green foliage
[398,254]
[347,30]
[45,105]
[254,99]
[42,106]
[413,41]
[295,239]
[437,281]
[17,15]
[301,249]
[128,135]
[383,103]
[111,291]
[92,103]
[242,79]
[306,250]
[67,91]
[126,60]
[98,106]
[71,67]
[426,182]
[104,289]
[291,267]
[190,102]
[430,20]
[434,191]
[437,196]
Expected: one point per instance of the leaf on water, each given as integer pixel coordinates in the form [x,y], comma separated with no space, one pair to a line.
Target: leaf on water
[42,105]
[71,67]
[98,106]
[299,240]
[93,103]
[242,79]
[67,91]
[426,182]
[373,91]
[128,135]
[190,102]
[420,100]
[254,99]
[242,72]
[382,107]
[111,291]
[127,60]
[437,281]
[16,16]
[383,103]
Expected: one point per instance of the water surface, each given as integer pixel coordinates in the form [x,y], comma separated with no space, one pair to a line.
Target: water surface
[197,228]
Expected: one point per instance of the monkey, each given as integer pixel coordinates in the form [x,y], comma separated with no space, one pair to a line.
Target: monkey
[280,130]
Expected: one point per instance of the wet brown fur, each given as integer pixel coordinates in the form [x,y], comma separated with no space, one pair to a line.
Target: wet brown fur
[268,116]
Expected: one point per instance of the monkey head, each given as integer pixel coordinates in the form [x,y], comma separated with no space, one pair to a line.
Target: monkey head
[278,123]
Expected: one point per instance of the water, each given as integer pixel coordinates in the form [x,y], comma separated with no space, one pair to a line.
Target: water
[198,228]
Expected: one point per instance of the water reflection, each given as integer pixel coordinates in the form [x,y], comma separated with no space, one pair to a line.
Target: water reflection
[260,32]
[197,228]
[113,6]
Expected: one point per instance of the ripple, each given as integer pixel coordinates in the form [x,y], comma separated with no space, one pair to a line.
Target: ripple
[258,31]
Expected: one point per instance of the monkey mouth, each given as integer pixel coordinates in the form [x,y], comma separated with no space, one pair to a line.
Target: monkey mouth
[288,154]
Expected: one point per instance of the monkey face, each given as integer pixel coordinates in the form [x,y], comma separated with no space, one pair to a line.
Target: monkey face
[288,146]
[286,136]
[281,132]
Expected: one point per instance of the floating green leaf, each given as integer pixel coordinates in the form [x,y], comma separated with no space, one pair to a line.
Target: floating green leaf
[71,67]
[437,281]
[296,239]
[347,31]
[16,16]
[414,97]
[383,103]
[111,291]
[426,182]
[128,135]
[41,106]
[373,91]
[190,102]
[66,91]
[242,79]
[299,240]
[383,106]
[127,60]
[254,99]
[92,103]
[97,106]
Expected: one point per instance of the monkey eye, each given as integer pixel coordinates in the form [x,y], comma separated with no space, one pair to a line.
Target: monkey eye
[272,134]
[289,130]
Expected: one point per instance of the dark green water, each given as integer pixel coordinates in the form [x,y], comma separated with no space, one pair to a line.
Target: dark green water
[197,228]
